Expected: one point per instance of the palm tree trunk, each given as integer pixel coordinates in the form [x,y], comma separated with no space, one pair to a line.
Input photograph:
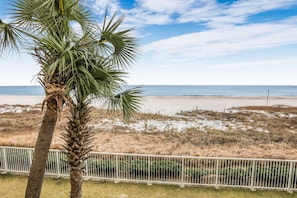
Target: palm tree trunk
[42,147]
[76,178]
[77,146]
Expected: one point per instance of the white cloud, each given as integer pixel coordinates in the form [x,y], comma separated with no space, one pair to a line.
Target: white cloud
[218,15]
[177,11]
[165,6]
[222,41]
[99,6]
[208,12]
[200,11]
[238,12]
[247,7]
[139,17]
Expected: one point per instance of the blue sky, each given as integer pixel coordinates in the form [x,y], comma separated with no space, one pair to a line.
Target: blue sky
[198,42]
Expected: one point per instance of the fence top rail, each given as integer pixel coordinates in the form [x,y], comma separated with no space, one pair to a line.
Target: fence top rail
[167,156]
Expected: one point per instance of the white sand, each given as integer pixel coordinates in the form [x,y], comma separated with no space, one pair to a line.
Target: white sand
[20,100]
[172,104]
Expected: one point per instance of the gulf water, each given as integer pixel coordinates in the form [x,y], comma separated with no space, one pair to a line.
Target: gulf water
[180,90]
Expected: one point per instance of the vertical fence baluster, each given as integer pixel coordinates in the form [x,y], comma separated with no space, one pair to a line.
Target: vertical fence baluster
[58,164]
[290,176]
[182,173]
[117,167]
[217,173]
[253,175]
[149,168]
[86,168]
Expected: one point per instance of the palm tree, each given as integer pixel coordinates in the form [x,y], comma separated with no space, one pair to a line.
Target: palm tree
[78,136]
[87,64]
[98,73]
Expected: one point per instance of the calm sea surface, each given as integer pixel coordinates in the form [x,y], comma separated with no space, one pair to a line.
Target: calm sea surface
[179,90]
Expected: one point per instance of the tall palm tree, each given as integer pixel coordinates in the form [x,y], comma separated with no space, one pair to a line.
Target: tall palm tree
[45,26]
[99,74]
[79,136]
[33,21]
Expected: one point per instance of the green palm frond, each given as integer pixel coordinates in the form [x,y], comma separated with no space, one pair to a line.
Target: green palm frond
[23,12]
[83,83]
[124,47]
[52,54]
[128,101]
[108,84]
[113,24]
[55,16]
[10,37]
[99,81]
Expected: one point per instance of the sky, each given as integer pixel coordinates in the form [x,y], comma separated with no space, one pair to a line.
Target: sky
[194,42]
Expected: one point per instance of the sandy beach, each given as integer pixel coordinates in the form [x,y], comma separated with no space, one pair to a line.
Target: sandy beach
[169,105]
[173,104]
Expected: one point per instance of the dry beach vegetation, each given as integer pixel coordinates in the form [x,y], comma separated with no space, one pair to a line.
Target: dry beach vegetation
[248,131]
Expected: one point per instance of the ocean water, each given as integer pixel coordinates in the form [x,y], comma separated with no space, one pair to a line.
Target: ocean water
[179,90]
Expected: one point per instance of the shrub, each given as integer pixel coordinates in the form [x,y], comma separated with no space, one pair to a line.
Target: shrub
[102,168]
[195,175]
[139,167]
[276,175]
[166,168]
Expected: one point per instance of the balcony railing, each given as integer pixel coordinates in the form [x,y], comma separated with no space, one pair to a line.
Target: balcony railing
[180,170]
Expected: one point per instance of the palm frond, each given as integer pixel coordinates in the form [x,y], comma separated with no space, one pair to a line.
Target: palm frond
[128,101]
[124,46]
[39,16]
[113,24]
[10,37]
[23,11]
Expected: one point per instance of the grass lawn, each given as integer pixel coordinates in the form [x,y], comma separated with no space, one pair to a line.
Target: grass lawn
[13,186]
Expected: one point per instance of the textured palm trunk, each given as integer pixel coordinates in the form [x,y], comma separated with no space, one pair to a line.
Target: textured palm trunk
[77,145]
[76,178]
[42,147]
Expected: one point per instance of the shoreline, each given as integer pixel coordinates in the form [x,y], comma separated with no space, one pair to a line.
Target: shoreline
[170,105]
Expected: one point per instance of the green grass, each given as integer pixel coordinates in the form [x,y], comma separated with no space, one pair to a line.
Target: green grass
[13,186]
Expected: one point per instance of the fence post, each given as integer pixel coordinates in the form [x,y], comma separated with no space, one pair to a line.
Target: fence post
[290,177]
[5,159]
[58,164]
[30,156]
[217,174]
[253,175]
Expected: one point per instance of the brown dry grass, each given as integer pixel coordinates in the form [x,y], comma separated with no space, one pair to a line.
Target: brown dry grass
[263,132]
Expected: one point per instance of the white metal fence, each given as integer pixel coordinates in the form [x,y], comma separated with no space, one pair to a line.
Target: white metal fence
[181,170]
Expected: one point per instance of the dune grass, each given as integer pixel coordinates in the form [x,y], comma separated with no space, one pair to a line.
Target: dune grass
[250,132]
[13,186]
